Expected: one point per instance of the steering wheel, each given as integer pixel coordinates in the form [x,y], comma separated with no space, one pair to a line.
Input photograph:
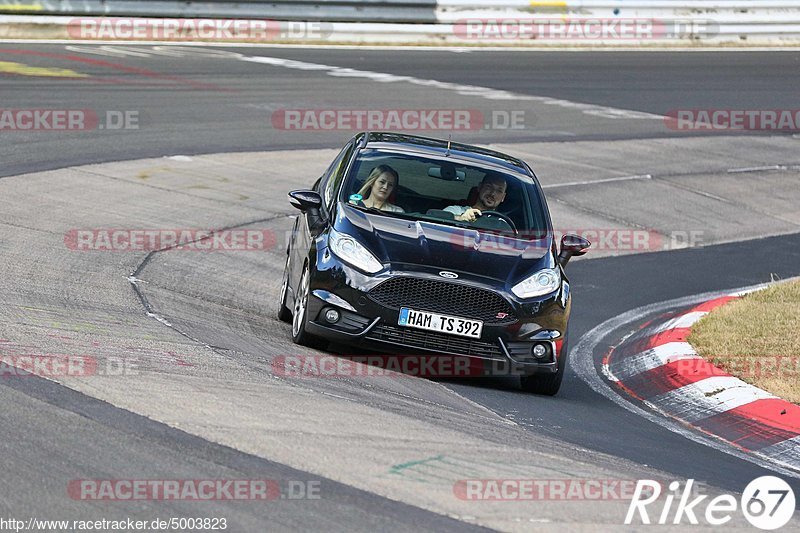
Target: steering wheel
[501,216]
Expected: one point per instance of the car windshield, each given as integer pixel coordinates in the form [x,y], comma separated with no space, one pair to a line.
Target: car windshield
[442,189]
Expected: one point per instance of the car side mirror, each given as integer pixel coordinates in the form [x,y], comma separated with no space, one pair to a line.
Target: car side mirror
[305,200]
[309,202]
[572,246]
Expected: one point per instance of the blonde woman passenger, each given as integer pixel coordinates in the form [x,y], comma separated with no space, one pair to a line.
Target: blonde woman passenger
[378,188]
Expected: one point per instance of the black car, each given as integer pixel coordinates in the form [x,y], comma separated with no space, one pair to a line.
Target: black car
[411,245]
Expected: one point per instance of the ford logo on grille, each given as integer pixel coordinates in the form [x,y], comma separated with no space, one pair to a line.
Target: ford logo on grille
[448,275]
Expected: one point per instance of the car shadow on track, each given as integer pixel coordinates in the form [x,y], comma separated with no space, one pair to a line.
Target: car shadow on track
[388,362]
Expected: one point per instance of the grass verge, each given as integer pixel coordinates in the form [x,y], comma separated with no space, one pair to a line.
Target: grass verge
[757,339]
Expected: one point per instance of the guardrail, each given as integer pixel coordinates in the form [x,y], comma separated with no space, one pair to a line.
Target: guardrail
[444,21]
[723,20]
[407,11]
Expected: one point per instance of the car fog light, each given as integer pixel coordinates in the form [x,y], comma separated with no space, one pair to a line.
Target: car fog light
[539,351]
[332,316]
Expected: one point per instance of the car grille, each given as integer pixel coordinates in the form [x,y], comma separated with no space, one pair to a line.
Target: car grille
[445,298]
[431,340]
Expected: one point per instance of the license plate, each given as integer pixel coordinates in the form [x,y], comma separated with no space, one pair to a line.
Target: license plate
[442,323]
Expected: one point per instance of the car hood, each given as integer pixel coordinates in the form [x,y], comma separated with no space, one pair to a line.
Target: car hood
[442,247]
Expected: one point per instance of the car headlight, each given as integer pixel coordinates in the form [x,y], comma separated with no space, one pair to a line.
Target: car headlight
[353,252]
[543,282]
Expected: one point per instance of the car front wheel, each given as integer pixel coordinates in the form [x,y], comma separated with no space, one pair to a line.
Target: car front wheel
[300,314]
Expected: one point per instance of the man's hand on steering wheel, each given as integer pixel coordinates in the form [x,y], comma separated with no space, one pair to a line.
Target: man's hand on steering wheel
[504,218]
[470,215]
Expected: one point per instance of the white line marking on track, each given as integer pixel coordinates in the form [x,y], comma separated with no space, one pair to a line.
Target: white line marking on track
[592,182]
[111,51]
[584,366]
[465,90]
[184,50]
[756,169]
[160,319]
[749,290]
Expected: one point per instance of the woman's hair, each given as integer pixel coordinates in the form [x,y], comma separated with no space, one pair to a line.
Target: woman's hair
[373,177]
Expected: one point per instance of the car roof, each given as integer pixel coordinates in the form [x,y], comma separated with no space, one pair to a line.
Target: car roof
[439,147]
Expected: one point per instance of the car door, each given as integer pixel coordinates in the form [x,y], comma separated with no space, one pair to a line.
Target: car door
[302,240]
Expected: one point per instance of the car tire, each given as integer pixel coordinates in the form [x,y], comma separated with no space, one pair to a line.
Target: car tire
[284,313]
[300,314]
[547,384]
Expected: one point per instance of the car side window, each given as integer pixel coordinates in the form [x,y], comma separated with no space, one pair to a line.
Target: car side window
[335,174]
[322,181]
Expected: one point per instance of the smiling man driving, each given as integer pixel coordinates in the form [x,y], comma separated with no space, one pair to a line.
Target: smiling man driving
[491,193]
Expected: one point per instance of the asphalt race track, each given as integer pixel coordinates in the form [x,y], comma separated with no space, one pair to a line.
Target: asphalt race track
[226,104]
[205,150]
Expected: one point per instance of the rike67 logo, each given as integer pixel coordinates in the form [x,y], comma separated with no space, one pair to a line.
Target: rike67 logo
[767,502]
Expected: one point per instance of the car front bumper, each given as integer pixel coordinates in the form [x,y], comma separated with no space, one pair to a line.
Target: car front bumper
[502,349]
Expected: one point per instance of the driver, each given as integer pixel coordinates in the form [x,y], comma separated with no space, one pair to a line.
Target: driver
[491,193]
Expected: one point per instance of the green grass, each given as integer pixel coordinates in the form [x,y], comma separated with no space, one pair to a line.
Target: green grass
[756,338]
